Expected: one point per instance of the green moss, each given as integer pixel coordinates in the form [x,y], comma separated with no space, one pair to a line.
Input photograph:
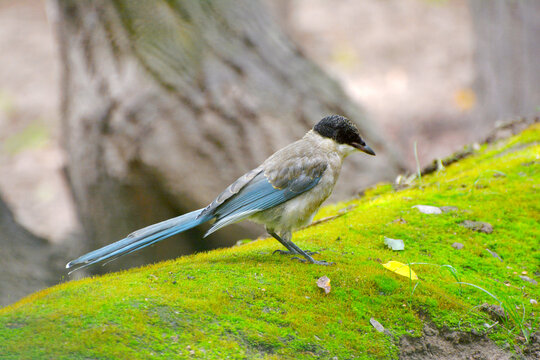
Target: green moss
[244,302]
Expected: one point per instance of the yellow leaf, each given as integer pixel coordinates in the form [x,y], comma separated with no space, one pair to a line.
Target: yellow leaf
[401,269]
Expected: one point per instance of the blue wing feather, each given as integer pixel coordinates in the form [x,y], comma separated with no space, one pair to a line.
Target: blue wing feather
[259,195]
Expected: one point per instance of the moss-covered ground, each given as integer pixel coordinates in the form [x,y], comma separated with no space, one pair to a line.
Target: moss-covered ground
[245,302]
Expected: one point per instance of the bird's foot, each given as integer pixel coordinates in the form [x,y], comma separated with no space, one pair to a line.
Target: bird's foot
[284,252]
[313,261]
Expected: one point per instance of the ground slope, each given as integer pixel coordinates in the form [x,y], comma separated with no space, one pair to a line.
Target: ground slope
[244,302]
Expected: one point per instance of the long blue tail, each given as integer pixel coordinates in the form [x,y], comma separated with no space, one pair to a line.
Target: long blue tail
[140,239]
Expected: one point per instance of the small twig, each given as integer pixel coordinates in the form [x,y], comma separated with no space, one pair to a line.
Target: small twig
[328,218]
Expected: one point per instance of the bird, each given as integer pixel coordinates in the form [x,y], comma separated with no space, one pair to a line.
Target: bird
[283,194]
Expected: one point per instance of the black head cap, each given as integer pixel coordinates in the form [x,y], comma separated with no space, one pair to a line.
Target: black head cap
[343,131]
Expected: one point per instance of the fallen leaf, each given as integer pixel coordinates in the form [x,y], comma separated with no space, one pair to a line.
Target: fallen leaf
[377,325]
[457,245]
[428,209]
[394,244]
[401,269]
[324,283]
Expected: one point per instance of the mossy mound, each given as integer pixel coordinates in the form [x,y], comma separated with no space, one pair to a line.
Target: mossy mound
[244,302]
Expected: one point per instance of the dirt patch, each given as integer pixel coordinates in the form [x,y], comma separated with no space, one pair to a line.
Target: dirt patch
[532,351]
[449,344]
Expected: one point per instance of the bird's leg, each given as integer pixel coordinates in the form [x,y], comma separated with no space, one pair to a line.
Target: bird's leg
[284,243]
[294,249]
[291,251]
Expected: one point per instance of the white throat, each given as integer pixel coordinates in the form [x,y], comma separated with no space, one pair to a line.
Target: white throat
[345,150]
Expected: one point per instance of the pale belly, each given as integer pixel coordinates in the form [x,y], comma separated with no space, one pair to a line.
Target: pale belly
[297,212]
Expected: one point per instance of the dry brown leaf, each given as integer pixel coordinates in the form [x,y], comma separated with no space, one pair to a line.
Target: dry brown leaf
[324,283]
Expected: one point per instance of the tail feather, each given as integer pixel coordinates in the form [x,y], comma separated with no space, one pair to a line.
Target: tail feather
[140,239]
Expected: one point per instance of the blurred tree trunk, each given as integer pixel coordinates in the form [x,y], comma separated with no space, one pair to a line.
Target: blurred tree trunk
[167,102]
[27,261]
[507,57]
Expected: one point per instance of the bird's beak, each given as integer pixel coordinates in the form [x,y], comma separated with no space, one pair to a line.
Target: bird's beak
[364,148]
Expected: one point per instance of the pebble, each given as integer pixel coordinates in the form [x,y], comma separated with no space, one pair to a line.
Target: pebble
[479,226]
[394,244]
[377,325]
[526,278]
[428,209]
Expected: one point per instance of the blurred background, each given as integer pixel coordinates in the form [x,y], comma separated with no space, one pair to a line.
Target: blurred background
[118,114]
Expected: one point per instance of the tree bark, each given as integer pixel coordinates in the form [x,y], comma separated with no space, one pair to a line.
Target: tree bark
[28,262]
[507,53]
[167,102]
